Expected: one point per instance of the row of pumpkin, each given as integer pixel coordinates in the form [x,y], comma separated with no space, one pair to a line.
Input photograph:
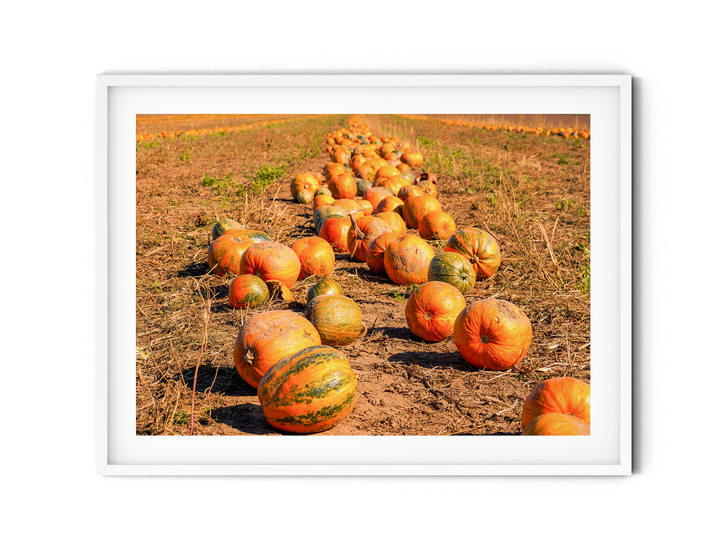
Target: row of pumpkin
[372,228]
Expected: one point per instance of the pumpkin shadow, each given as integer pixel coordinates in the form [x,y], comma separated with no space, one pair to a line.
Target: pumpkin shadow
[431,359]
[245,417]
[223,380]
[194,269]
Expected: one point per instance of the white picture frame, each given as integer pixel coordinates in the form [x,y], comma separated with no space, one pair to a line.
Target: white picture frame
[608,98]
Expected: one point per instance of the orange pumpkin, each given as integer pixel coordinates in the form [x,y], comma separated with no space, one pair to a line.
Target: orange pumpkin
[415,208]
[431,310]
[225,253]
[322,200]
[343,186]
[556,424]
[409,191]
[303,181]
[364,230]
[271,261]
[414,159]
[377,194]
[564,395]
[407,259]
[386,171]
[395,220]
[425,177]
[493,334]
[375,255]
[428,188]
[365,171]
[334,169]
[390,204]
[335,231]
[316,256]
[268,337]
[248,291]
[403,167]
[436,225]
[365,206]
[479,248]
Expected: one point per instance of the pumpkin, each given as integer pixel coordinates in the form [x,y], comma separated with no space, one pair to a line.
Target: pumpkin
[386,171]
[428,188]
[268,337]
[414,159]
[436,225]
[390,204]
[377,194]
[334,169]
[365,172]
[454,269]
[303,181]
[556,424]
[564,395]
[223,225]
[348,204]
[323,190]
[225,253]
[403,167]
[425,177]
[324,286]
[479,248]
[323,200]
[343,186]
[279,291]
[309,391]
[375,255]
[362,186]
[271,260]
[248,291]
[305,196]
[409,191]
[406,260]
[365,206]
[316,256]
[393,183]
[364,230]
[493,334]
[431,310]
[337,319]
[395,220]
[415,209]
[335,231]
[340,156]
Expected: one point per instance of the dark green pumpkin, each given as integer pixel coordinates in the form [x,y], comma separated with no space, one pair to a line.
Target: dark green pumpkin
[325,211]
[323,190]
[223,225]
[362,187]
[454,269]
[324,286]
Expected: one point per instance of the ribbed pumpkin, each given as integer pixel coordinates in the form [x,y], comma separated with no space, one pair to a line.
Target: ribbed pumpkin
[364,229]
[436,225]
[309,391]
[556,424]
[454,269]
[479,248]
[386,171]
[337,319]
[415,208]
[431,310]
[267,338]
[225,253]
[303,181]
[248,291]
[375,255]
[324,286]
[564,395]
[395,220]
[428,188]
[271,261]
[493,334]
[333,169]
[223,225]
[335,231]
[407,259]
[316,256]
[348,204]
[414,159]
[322,200]
[393,183]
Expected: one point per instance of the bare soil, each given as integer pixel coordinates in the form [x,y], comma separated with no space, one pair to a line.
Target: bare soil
[532,193]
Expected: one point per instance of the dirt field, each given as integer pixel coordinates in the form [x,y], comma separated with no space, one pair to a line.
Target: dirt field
[532,193]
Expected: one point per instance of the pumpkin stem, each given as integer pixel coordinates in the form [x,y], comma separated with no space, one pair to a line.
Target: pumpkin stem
[484,338]
[358,233]
[249,356]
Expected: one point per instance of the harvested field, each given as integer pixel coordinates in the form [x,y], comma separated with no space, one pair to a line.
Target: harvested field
[530,192]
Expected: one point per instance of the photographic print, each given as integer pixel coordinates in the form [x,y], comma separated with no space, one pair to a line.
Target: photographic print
[363,274]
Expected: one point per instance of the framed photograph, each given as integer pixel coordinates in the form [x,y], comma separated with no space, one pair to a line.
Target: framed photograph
[481,315]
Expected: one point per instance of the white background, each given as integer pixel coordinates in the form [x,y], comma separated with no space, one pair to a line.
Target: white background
[666,482]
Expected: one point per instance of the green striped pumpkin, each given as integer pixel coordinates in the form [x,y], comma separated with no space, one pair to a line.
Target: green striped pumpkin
[454,269]
[337,319]
[309,391]
[326,211]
